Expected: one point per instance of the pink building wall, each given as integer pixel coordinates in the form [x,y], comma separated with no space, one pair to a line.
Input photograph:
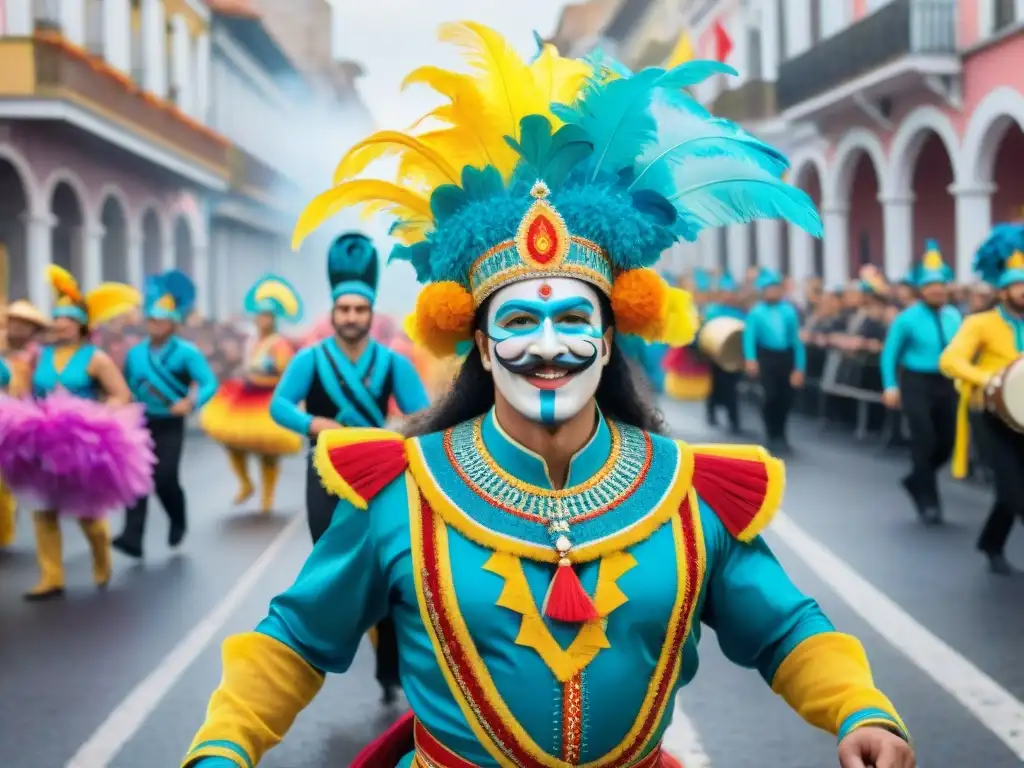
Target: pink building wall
[934,208]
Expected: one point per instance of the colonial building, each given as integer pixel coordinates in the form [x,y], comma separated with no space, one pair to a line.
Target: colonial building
[902,119]
[106,166]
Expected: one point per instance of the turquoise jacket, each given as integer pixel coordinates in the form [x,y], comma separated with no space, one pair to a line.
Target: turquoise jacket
[775,327]
[73,378]
[161,376]
[650,563]
[916,340]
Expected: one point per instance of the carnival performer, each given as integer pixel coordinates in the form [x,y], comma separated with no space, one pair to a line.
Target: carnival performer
[18,350]
[912,381]
[348,379]
[537,504]
[724,384]
[985,344]
[172,379]
[775,356]
[79,447]
[238,416]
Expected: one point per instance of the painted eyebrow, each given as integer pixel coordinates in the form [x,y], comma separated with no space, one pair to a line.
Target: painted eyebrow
[543,308]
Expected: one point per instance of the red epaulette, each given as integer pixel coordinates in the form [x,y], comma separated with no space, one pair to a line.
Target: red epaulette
[742,484]
[356,464]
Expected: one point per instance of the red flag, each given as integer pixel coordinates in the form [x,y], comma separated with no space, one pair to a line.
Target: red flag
[723,43]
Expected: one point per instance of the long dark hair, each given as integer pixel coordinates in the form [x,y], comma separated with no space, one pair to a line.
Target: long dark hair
[619,394]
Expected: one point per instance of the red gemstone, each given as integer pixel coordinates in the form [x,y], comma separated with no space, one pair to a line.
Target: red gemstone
[544,291]
[541,239]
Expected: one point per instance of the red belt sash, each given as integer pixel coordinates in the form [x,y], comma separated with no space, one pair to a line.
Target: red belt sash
[431,753]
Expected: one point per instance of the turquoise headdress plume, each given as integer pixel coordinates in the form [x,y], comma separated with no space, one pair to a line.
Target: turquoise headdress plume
[932,268]
[726,282]
[766,278]
[274,295]
[170,296]
[353,267]
[559,167]
[103,303]
[999,260]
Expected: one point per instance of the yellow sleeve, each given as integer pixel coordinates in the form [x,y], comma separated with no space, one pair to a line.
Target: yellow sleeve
[265,686]
[827,680]
[957,361]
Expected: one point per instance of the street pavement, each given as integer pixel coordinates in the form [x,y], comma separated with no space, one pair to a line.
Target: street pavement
[121,678]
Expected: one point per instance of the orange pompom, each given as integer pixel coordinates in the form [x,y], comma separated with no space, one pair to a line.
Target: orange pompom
[639,299]
[443,319]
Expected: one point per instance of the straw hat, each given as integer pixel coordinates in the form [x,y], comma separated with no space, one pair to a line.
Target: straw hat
[24,310]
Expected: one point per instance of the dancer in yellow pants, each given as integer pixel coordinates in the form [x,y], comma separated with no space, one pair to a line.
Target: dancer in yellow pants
[238,416]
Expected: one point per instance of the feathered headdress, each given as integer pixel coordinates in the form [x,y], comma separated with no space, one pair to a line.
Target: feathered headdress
[766,278]
[932,268]
[701,280]
[170,296]
[873,281]
[353,266]
[726,282]
[107,301]
[999,260]
[274,295]
[559,168]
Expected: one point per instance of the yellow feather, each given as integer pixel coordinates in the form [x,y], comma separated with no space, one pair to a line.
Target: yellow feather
[275,289]
[384,143]
[411,232]
[109,300]
[357,192]
[503,78]
[63,282]
[932,260]
[560,79]
[446,143]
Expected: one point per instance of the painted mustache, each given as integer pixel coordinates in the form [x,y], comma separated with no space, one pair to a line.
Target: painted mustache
[529,364]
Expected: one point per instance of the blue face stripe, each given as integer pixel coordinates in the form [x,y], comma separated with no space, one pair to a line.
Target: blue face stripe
[547,406]
[542,309]
[543,312]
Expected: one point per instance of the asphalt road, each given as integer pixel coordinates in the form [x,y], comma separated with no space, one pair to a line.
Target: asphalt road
[67,669]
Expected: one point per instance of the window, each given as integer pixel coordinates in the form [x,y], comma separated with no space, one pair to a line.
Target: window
[722,235]
[752,254]
[863,249]
[1004,14]
[754,71]
[816,20]
[780,26]
[94,27]
[818,257]
[783,246]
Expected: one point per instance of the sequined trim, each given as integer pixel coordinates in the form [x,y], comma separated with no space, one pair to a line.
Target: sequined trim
[622,473]
[572,718]
[470,682]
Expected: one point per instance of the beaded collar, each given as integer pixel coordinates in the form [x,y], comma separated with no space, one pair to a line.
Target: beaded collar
[497,493]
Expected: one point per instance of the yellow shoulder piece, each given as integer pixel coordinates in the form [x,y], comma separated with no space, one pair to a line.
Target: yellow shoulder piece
[356,463]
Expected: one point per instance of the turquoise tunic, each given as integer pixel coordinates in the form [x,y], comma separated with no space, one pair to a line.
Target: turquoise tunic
[916,340]
[74,378]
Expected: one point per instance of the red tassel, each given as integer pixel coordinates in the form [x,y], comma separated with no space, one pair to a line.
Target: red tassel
[567,600]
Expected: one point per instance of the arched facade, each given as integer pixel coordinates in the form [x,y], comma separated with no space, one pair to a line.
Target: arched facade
[19,204]
[115,225]
[989,121]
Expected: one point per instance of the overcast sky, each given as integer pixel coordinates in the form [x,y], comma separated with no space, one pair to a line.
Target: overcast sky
[390,38]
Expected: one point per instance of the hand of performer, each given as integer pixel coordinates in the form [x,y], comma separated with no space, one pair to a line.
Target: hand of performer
[320,424]
[753,369]
[891,398]
[183,407]
[796,379]
[871,747]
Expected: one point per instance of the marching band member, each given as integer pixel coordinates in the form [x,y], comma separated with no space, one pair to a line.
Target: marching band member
[536,503]
[22,324]
[238,416]
[89,451]
[775,355]
[911,380]
[162,371]
[724,384]
[348,379]
[985,344]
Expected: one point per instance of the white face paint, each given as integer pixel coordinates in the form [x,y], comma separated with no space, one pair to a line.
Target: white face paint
[546,346]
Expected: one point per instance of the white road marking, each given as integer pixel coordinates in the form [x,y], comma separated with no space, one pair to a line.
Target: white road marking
[682,741]
[996,708]
[133,711]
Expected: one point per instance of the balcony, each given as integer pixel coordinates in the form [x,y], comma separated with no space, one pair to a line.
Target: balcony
[751,102]
[898,43]
[47,71]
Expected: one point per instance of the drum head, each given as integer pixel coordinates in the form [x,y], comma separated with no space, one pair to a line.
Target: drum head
[1013,393]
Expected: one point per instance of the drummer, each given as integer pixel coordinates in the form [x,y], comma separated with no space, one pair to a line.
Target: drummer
[774,354]
[724,384]
[985,345]
[914,342]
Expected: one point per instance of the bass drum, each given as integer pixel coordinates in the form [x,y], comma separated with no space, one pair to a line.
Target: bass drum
[1005,395]
[721,340]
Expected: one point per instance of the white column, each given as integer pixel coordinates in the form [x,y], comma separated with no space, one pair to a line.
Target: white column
[769,20]
[169,257]
[769,238]
[154,47]
[202,79]
[836,219]
[117,34]
[72,21]
[39,239]
[738,59]
[92,255]
[973,222]
[220,253]
[201,277]
[181,64]
[801,254]
[18,18]
[898,223]
[798,26]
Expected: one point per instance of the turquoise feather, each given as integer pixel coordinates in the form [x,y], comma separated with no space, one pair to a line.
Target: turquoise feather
[991,256]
